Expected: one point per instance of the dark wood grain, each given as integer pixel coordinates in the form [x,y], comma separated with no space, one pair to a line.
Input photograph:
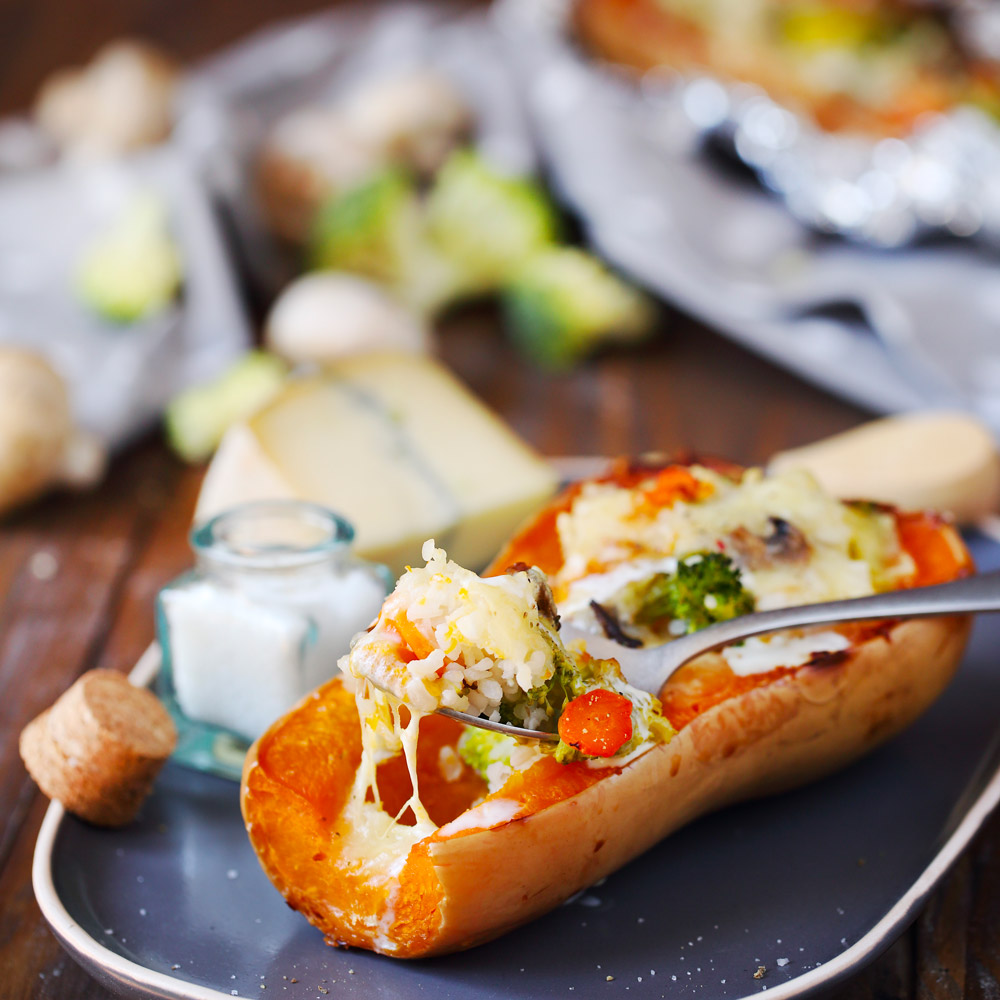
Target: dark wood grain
[688,388]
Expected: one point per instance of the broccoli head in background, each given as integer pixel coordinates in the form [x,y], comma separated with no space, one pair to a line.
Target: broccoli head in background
[564,303]
[132,270]
[705,589]
[486,222]
[480,231]
[372,229]
[377,230]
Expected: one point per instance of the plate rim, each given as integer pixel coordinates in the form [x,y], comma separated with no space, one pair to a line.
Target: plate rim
[117,971]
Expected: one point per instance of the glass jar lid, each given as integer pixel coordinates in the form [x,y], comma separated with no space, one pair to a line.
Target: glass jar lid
[272,535]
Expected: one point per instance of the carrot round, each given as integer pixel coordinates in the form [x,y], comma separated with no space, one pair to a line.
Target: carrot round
[597,723]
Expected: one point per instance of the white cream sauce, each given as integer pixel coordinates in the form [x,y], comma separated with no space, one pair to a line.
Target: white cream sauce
[761,654]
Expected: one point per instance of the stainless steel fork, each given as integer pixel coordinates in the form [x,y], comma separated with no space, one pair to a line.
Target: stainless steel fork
[649,668]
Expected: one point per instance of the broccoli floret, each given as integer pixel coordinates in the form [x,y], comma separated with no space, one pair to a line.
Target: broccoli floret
[564,303]
[198,417]
[705,589]
[133,269]
[486,222]
[370,229]
[378,230]
[480,747]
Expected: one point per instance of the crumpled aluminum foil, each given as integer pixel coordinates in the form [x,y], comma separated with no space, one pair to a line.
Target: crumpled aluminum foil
[234,98]
[944,176]
[120,377]
[913,327]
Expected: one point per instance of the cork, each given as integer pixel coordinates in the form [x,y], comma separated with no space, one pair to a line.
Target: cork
[98,749]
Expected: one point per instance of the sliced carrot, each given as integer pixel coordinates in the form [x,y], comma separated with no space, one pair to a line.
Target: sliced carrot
[597,723]
[935,546]
[414,639]
[671,484]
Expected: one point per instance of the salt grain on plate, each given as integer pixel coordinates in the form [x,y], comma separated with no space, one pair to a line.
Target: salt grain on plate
[43,566]
[232,873]
[782,962]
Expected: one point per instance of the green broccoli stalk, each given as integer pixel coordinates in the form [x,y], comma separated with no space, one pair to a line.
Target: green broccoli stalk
[377,230]
[197,418]
[485,222]
[564,303]
[706,588]
[133,269]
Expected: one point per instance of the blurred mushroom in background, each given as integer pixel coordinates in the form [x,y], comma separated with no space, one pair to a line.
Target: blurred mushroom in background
[121,101]
[40,446]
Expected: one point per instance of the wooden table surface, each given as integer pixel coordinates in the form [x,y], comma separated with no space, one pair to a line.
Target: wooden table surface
[115,547]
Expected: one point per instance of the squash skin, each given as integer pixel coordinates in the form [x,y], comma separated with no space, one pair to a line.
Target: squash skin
[570,825]
[769,739]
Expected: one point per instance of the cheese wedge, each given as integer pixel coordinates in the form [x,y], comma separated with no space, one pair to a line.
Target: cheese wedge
[935,460]
[395,444]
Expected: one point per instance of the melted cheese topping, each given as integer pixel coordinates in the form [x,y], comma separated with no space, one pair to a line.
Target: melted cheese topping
[471,643]
[611,537]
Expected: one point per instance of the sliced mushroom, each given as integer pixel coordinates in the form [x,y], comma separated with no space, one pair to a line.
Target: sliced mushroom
[784,544]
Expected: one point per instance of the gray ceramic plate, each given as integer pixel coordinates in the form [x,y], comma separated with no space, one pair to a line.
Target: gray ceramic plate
[811,885]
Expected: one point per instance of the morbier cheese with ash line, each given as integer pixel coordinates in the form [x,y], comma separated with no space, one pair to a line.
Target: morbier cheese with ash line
[395,444]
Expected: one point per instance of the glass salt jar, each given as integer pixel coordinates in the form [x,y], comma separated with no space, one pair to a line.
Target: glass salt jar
[272,603]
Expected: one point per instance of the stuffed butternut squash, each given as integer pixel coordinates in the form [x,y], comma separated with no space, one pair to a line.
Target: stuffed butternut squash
[399,830]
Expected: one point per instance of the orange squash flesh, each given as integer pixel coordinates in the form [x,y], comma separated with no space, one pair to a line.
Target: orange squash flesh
[298,775]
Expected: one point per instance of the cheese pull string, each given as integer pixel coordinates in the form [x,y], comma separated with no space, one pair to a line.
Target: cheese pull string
[651,667]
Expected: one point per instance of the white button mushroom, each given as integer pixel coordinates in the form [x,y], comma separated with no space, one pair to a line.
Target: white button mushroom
[39,445]
[122,100]
[414,118]
[324,316]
